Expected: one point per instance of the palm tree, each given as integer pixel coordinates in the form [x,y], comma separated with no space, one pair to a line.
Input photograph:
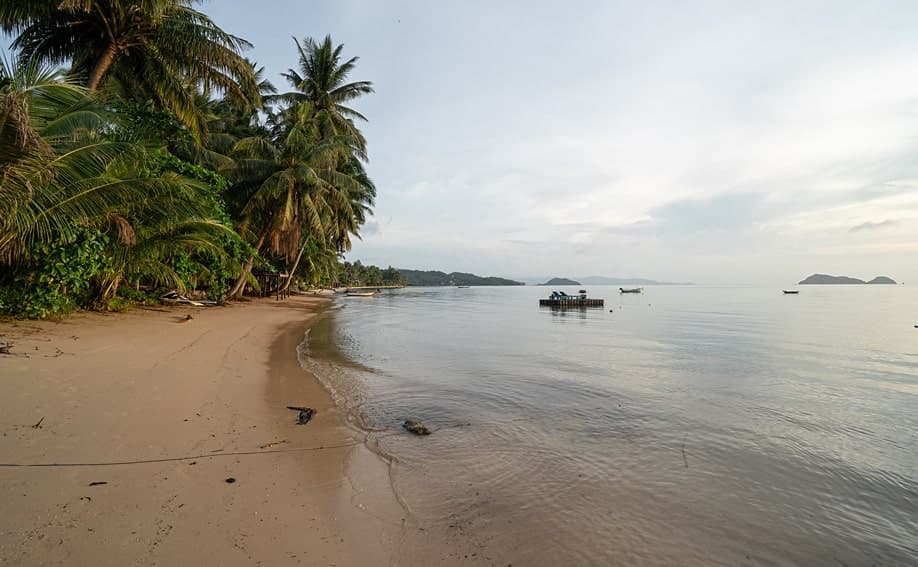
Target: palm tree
[295,188]
[155,47]
[321,82]
[297,178]
[321,100]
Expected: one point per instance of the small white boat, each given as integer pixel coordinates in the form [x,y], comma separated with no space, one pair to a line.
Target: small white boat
[361,294]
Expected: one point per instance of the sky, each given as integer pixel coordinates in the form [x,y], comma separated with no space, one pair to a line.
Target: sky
[715,142]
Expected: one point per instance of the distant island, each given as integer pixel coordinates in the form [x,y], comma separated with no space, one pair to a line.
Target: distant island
[560,281]
[824,279]
[438,279]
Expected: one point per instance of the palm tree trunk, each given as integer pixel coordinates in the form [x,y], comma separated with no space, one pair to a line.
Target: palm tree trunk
[296,264]
[112,289]
[237,290]
[102,66]
[107,289]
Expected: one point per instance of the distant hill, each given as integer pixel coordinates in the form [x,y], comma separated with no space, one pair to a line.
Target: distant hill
[824,279]
[560,281]
[435,278]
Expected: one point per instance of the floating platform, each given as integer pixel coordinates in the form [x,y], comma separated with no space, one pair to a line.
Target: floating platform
[572,302]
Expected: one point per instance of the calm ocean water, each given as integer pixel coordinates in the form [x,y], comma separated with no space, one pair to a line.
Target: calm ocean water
[689,426]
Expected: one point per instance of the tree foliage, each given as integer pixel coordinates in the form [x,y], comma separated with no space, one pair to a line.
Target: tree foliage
[140,152]
[140,49]
[67,172]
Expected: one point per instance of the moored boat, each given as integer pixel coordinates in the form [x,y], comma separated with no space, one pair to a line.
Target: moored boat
[791,291]
[561,299]
[631,290]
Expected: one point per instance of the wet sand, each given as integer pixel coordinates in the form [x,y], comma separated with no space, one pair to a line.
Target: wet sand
[161,413]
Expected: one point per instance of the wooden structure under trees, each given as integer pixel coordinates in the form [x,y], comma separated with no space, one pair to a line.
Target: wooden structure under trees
[272,283]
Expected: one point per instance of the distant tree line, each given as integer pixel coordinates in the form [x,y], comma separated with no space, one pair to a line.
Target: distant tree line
[433,278]
[343,274]
[357,274]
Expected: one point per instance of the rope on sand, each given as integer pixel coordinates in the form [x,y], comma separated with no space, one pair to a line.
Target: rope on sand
[187,458]
[212,455]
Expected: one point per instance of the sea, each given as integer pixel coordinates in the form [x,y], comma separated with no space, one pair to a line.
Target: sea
[686,425]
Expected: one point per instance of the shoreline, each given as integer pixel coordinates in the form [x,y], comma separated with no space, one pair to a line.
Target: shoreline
[162,413]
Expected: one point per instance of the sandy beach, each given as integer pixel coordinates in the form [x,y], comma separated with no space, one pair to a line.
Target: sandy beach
[120,433]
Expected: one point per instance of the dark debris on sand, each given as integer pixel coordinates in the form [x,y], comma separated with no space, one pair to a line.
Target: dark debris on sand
[304,415]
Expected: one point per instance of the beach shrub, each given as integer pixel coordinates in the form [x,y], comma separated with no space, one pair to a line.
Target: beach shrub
[129,295]
[57,277]
[119,303]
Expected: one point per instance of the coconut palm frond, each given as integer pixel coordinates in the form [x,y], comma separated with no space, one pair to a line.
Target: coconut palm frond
[156,49]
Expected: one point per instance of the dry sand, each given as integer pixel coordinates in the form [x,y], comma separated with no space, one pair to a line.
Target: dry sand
[142,386]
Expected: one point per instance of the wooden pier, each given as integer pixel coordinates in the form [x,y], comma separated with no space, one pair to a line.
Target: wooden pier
[572,302]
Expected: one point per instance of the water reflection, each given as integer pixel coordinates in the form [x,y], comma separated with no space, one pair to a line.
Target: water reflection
[573,312]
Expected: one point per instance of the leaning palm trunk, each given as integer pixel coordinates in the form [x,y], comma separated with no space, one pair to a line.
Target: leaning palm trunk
[296,264]
[239,287]
[236,292]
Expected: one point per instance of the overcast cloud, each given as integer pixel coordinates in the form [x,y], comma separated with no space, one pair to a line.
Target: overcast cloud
[719,142]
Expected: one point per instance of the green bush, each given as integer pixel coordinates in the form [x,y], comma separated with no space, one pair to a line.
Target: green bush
[58,277]
[130,296]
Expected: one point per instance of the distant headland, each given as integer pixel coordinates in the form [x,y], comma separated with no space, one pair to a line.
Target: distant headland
[824,279]
[435,278]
